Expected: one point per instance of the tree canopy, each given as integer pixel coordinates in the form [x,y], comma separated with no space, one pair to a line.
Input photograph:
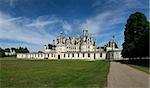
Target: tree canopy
[22,50]
[136,36]
[2,52]
[17,50]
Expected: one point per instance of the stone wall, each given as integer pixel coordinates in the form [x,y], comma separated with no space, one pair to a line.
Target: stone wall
[114,55]
[63,55]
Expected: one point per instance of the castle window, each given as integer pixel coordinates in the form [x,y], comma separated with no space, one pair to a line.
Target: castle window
[100,54]
[83,54]
[48,55]
[78,54]
[73,55]
[68,55]
[51,55]
[88,54]
[64,55]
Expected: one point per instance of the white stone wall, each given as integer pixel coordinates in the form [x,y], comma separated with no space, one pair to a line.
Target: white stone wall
[114,55]
[60,55]
[60,48]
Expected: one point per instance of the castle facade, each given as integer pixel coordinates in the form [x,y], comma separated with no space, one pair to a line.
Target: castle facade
[82,46]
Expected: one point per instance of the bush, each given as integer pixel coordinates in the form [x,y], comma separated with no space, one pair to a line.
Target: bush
[2,52]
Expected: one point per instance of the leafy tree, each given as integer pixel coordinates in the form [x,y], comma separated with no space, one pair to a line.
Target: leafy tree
[143,45]
[2,52]
[136,36]
[26,50]
[22,50]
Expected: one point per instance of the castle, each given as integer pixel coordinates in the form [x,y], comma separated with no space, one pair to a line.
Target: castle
[82,46]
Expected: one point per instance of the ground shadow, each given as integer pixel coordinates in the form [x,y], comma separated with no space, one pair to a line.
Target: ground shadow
[140,62]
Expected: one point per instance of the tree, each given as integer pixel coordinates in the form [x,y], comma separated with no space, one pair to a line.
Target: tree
[2,52]
[136,36]
[22,50]
[26,50]
[143,45]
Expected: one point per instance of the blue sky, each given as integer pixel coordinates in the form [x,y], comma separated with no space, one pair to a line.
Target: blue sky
[34,23]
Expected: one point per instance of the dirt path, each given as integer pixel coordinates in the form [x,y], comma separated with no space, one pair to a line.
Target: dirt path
[123,76]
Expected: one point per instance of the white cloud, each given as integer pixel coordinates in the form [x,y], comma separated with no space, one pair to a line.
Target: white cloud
[42,21]
[23,29]
[102,22]
[66,26]
[10,29]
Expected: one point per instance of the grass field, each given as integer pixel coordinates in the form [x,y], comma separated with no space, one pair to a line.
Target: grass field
[53,73]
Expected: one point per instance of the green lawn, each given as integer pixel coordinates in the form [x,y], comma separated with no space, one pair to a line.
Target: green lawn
[53,73]
[142,68]
[8,58]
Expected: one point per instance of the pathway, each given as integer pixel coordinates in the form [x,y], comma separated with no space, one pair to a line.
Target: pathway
[123,76]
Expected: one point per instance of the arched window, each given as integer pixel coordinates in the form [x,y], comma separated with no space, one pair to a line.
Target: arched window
[64,55]
[78,54]
[83,54]
[88,54]
[100,54]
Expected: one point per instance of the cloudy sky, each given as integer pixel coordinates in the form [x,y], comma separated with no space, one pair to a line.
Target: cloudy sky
[33,23]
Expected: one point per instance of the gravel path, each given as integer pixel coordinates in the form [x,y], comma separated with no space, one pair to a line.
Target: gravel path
[123,76]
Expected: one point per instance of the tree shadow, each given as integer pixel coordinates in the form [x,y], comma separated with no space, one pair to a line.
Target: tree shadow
[140,62]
